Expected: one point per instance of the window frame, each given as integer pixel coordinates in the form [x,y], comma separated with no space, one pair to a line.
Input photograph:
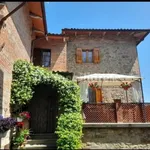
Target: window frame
[87,60]
[42,51]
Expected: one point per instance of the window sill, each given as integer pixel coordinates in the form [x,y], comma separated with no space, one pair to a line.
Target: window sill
[87,63]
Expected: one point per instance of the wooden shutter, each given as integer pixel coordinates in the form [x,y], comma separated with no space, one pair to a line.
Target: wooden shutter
[96,56]
[98,95]
[79,55]
[37,57]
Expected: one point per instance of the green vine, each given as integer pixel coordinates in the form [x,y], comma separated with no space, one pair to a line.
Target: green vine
[69,125]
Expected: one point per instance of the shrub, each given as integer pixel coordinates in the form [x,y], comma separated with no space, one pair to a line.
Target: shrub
[69,130]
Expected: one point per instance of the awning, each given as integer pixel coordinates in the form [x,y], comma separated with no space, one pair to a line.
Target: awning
[108,79]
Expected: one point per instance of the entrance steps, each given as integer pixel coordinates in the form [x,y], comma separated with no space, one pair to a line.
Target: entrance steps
[42,141]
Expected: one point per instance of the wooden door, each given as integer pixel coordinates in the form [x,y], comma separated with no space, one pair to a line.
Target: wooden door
[43,109]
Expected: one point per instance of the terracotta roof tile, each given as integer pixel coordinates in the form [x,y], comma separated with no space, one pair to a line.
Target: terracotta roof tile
[83,29]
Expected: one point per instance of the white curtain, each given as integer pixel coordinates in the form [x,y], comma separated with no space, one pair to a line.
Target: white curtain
[137,92]
[84,91]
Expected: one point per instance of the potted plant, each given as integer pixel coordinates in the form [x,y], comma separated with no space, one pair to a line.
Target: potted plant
[21,137]
[6,124]
[126,86]
[24,115]
[94,85]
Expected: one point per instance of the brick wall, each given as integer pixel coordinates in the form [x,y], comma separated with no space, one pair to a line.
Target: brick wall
[16,37]
[58,53]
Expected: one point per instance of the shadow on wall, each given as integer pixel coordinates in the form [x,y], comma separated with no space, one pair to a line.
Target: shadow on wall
[22,23]
[134,68]
[1,89]
[1,93]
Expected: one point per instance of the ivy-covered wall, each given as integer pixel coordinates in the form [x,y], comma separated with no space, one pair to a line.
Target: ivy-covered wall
[69,125]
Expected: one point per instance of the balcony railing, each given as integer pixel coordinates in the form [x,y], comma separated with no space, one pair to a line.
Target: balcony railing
[117,112]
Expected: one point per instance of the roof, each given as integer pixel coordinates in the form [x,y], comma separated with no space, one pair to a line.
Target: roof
[138,34]
[38,17]
[57,36]
[83,29]
[108,79]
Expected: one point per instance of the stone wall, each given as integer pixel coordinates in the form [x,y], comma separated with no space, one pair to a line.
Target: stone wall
[116,138]
[15,43]
[118,55]
[134,94]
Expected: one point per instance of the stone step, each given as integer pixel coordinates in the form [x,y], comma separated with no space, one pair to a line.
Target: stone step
[43,136]
[40,146]
[41,141]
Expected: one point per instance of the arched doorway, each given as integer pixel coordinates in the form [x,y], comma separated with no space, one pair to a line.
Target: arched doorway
[43,109]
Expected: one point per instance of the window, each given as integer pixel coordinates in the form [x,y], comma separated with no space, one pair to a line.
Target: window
[42,57]
[95,95]
[45,58]
[92,95]
[87,55]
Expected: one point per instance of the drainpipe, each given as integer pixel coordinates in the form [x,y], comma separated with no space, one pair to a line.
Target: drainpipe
[9,14]
[143,104]
[142,91]
[32,45]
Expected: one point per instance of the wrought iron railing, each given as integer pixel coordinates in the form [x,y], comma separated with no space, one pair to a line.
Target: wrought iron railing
[117,112]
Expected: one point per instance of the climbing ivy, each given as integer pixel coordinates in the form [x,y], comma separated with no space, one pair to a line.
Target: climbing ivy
[69,126]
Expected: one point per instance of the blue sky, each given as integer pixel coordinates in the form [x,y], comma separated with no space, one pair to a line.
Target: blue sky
[105,15]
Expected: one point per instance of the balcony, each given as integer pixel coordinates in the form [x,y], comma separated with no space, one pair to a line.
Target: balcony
[116,112]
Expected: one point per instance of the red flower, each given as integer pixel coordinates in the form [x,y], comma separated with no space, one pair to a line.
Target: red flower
[94,85]
[25,115]
[20,124]
[126,86]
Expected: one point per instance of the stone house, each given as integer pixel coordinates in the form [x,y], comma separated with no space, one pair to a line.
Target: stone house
[20,24]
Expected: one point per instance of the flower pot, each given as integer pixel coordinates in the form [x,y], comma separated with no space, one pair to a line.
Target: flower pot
[26,123]
[2,135]
[19,119]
